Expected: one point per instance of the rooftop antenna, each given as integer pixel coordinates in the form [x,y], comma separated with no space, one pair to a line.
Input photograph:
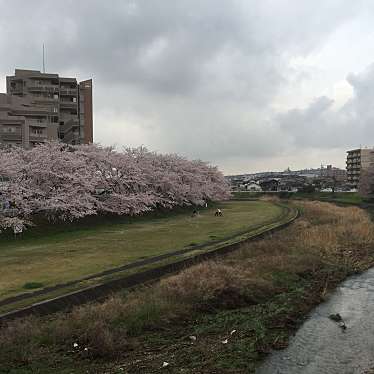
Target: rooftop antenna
[43,59]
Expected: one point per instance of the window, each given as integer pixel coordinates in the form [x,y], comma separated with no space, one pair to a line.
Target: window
[9,129]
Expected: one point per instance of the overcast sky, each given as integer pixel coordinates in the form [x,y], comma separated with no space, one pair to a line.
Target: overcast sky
[247,85]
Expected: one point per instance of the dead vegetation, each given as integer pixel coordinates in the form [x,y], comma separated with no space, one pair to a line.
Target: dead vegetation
[326,244]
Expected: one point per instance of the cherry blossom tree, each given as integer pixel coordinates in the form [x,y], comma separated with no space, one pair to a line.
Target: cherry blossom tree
[63,182]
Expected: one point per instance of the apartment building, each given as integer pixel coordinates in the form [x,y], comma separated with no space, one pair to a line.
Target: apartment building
[24,124]
[357,160]
[332,172]
[40,106]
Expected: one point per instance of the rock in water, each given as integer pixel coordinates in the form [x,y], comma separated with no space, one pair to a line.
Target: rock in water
[336,317]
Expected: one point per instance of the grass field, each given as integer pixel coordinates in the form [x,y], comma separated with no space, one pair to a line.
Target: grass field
[37,261]
[236,309]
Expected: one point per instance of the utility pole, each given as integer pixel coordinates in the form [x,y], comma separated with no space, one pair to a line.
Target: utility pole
[43,58]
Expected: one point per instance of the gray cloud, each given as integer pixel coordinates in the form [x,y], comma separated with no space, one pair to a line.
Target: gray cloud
[193,77]
[309,126]
[320,126]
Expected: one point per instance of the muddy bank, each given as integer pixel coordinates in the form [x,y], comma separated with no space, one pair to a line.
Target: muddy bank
[321,346]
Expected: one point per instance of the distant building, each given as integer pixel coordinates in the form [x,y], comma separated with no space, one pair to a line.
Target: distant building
[269,184]
[291,180]
[292,183]
[332,172]
[357,160]
[40,106]
[253,187]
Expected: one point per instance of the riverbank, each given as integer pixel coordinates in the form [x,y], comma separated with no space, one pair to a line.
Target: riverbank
[78,254]
[212,318]
[339,345]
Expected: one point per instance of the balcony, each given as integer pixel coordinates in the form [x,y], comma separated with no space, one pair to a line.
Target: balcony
[38,138]
[44,99]
[68,91]
[11,136]
[38,124]
[16,91]
[68,105]
[43,88]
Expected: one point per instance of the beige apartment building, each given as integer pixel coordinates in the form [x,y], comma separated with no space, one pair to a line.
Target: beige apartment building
[40,106]
[357,160]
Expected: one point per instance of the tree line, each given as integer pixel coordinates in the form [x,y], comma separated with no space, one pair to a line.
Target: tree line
[65,183]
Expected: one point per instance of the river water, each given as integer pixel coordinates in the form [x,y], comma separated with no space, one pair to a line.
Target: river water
[320,346]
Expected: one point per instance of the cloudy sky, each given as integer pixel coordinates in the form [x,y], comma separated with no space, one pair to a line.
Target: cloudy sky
[247,85]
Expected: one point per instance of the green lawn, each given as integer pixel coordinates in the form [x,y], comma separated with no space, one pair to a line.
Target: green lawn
[58,257]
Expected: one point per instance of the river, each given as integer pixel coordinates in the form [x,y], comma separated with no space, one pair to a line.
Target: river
[320,346]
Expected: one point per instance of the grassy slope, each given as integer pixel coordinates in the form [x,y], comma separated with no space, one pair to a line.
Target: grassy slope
[262,292]
[62,256]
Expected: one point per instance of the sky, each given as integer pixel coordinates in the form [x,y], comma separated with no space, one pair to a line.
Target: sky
[246,85]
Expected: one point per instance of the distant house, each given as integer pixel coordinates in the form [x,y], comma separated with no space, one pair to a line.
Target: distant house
[252,186]
[327,189]
[269,184]
[292,183]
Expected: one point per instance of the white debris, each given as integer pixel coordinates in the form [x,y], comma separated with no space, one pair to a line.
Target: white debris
[165,364]
[86,349]
[232,332]
[193,337]
[75,345]
[225,341]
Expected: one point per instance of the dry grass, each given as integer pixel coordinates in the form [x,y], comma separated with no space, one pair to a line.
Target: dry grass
[270,198]
[325,236]
[336,231]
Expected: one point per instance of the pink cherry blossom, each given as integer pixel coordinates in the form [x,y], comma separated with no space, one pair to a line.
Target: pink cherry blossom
[63,182]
